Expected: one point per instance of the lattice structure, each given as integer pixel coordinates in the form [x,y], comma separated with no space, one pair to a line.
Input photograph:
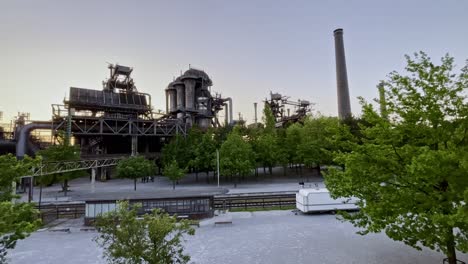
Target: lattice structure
[278,104]
[69,166]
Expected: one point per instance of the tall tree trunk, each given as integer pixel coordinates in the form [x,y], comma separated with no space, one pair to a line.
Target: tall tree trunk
[270,169]
[451,253]
[134,184]
[173,185]
[196,175]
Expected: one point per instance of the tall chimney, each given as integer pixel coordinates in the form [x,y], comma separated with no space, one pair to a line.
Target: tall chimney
[382,100]
[344,105]
[255,117]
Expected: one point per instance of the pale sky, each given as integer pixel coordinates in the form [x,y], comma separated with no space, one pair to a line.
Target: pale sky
[248,47]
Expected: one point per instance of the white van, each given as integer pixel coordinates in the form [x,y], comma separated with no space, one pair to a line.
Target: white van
[319,200]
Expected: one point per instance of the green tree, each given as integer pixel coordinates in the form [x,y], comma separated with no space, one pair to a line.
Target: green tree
[155,239]
[236,156]
[282,155]
[173,172]
[60,153]
[178,149]
[268,150]
[135,167]
[17,220]
[267,147]
[315,147]
[268,119]
[410,169]
[191,145]
[205,153]
[293,140]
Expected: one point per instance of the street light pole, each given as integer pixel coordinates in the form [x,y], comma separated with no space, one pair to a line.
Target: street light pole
[217,164]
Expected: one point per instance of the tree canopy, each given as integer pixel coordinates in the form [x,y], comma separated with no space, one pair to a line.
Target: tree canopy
[173,172]
[236,156]
[135,167]
[17,220]
[410,168]
[155,238]
[59,153]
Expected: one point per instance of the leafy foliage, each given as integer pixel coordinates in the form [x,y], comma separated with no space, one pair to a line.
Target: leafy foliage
[236,156]
[410,169]
[58,153]
[315,147]
[293,141]
[154,238]
[134,168]
[17,220]
[10,170]
[173,172]
[205,153]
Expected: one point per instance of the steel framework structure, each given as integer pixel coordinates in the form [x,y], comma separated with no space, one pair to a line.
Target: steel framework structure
[68,166]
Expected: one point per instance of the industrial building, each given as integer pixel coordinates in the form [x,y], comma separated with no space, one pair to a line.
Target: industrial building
[118,120]
[189,99]
[279,106]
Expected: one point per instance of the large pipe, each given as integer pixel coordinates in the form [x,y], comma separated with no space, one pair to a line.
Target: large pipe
[344,105]
[226,116]
[4,144]
[231,120]
[23,136]
[167,101]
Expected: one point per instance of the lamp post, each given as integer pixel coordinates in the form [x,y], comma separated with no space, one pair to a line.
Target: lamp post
[217,164]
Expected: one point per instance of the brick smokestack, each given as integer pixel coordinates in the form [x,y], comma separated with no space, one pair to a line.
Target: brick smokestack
[344,105]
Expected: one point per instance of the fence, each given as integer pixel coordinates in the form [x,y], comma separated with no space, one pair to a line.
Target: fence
[52,212]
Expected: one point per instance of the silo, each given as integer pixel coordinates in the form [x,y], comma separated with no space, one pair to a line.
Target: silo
[180,91]
[189,93]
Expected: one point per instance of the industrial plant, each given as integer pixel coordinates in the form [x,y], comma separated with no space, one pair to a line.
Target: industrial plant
[189,99]
[280,107]
[118,120]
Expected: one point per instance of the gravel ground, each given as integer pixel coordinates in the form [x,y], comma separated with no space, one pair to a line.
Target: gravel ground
[259,237]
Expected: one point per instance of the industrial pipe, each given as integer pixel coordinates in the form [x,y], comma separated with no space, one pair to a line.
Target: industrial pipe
[231,120]
[167,101]
[23,136]
[226,116]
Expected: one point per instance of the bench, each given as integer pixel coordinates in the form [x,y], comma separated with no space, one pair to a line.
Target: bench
[60,230]
[223,223]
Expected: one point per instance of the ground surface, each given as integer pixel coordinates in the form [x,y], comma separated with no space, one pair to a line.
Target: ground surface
[82,189]
[260,237]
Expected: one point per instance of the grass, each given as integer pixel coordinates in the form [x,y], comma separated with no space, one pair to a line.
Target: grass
[255,209]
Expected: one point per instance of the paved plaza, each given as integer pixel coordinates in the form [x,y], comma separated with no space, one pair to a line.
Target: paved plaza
[82,189]
[274,237]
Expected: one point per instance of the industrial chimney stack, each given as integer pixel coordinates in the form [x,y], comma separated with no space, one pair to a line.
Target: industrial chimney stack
[255,117]
[344,105]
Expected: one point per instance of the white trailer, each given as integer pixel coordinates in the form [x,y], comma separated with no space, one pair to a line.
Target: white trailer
[319,200]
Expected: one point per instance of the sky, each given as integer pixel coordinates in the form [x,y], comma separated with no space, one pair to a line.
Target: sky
[247,47]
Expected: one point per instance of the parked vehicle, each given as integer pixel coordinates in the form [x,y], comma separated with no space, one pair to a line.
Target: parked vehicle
[318,200]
